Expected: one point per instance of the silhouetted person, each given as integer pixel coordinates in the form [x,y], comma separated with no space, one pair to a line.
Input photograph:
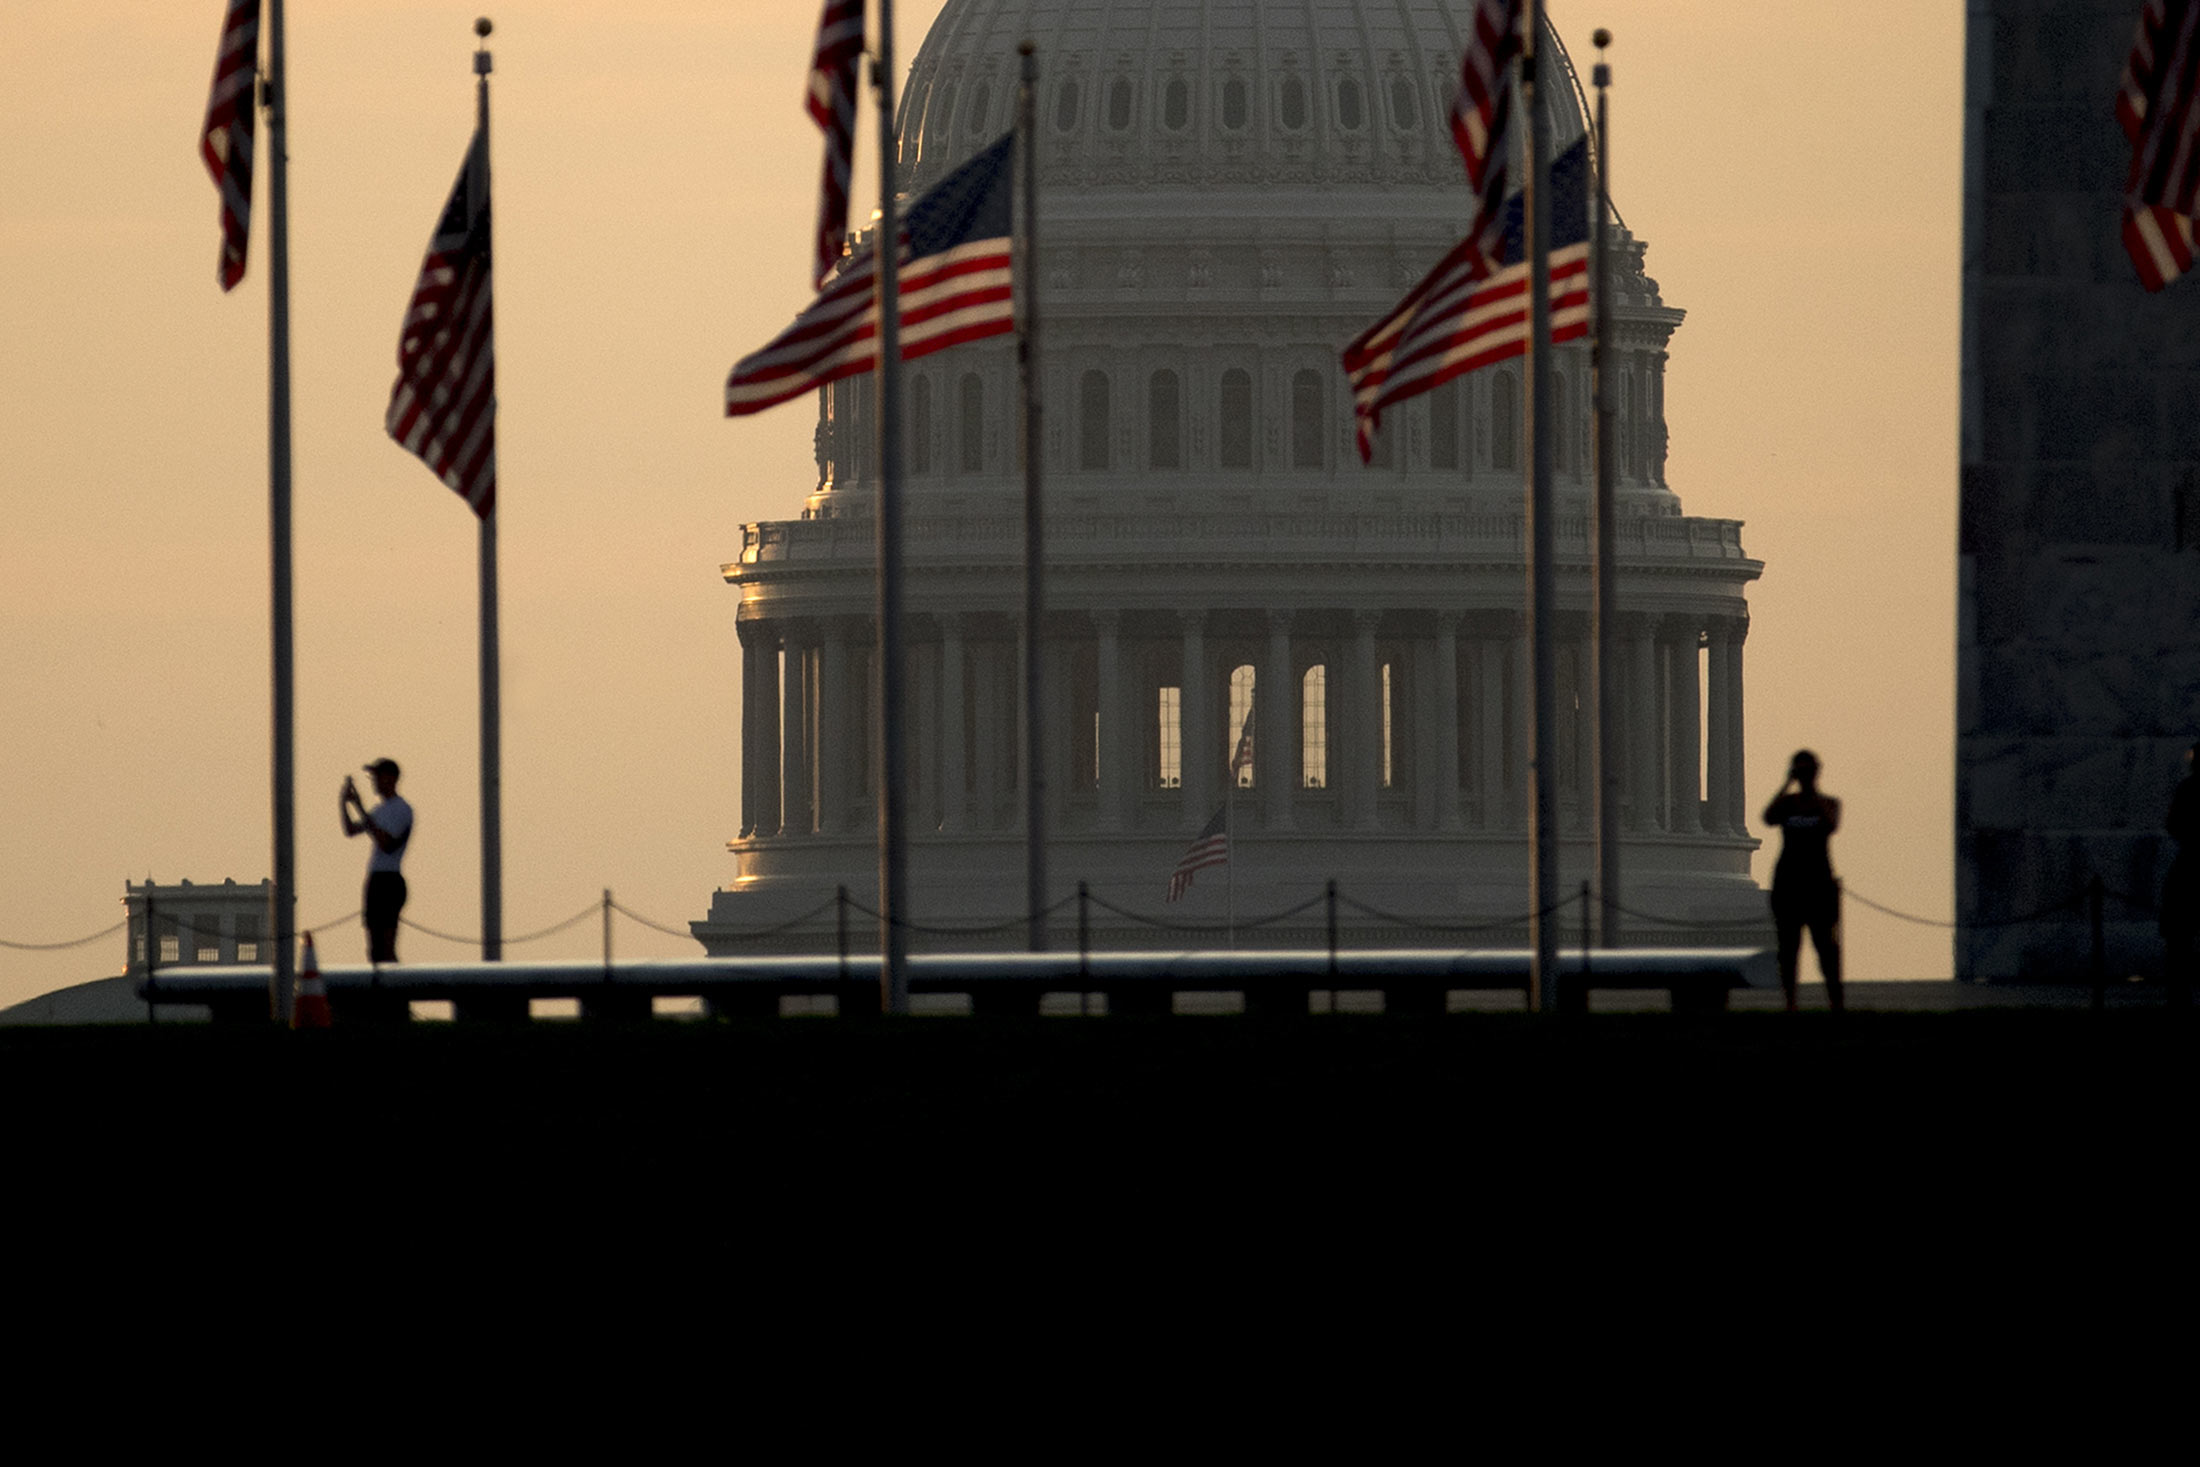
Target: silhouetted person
[1804,894]
[2181,890]
[390,823]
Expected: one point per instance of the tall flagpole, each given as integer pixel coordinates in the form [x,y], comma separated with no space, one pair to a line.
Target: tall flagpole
[893,855]
[492,740]
[1027,354]
[1603,612]
[1543,925]
[283,919]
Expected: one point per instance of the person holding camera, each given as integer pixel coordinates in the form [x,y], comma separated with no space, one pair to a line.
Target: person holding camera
[390,824]
[1804,892]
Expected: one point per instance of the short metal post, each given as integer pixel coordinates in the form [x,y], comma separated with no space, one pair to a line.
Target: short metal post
[2093,895]
[607,934]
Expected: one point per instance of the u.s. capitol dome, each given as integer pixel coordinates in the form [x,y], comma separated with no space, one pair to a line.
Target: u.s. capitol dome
[1229,192]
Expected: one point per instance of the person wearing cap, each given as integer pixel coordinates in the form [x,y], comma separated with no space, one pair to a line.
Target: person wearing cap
[390,824]
[1805,895]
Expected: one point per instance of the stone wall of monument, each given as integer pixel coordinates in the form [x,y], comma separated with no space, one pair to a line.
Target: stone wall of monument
[2079,629]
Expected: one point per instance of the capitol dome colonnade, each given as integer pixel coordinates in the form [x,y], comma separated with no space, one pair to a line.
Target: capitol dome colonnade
[1230,194]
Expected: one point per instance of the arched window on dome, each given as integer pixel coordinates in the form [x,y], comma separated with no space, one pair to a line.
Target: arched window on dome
[971,437]
[1067,99]
[939,120]
[1562,425]
[1234,104]
[1164,421]
[918,427]
[981,102]
[1623,447]
[1120,98]
[1443,425]
[1234,435]
[1176,105]
[1405,103]
[1241,708]
[1092,421]
[1504,420]
[1306,420]
[1314,728]
[1291,103]
[1351,113]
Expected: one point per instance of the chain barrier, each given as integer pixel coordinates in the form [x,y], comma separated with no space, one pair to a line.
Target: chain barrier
[551,931]
[1738,923]
[1165,925]
[938,929]
[1419,925]
[55,947]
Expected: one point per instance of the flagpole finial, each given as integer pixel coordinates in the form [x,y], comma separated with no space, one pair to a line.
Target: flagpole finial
[1602,76]
[482,27]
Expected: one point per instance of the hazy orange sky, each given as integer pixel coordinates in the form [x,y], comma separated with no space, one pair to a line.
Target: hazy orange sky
[1795,169]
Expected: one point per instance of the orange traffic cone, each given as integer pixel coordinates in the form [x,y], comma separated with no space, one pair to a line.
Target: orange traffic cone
[311,1010]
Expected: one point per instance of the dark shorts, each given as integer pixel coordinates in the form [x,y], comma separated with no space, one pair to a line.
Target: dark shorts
[385,899]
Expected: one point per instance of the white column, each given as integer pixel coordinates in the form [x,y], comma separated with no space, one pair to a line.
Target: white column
[1060,653]
[1489,711]
[797,813]
[1687,734]
[1719,737]
[1645,738]
[1443,761]
[1114,801]
[953,763]
[752,743]
[987,773]
[1276,726]
[1523,742]
[763,728]
[838,755]
[924,739]
[1364,755]
[1197,758]
[1738,770]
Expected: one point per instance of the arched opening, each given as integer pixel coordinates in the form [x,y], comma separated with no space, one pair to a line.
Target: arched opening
[981,101]
[1405,106]
[918,428]
[1066,99]
[1443,426]
[1504,421]
[1176,105]
[972,435]
[1164,421]
[1234,103]
[1306,420]
[1351,116]
[1314,728]
[1119,104]
[1241,709]
[1092,421]
[1291,103]
[1234,437]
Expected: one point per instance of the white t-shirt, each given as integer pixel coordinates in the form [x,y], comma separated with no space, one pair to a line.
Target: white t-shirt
[394,818]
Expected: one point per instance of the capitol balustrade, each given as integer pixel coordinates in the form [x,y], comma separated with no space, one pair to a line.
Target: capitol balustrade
[1245,534]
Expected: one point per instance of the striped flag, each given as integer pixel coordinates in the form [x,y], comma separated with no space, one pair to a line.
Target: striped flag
[1243,758]
[1460,318]
[832,105]
[226,141]
[2159,107]
[1481,117]
[954,266]
[443,407]
[1211,847]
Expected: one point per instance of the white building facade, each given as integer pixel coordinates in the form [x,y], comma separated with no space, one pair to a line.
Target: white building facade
[1228,194]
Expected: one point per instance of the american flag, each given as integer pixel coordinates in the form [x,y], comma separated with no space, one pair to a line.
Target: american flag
[832,105]
[2159,107]
[443,407]
[1481,116]
[954,265]
[1211,847]
[1460,318]
[226,141]
[1243,758]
